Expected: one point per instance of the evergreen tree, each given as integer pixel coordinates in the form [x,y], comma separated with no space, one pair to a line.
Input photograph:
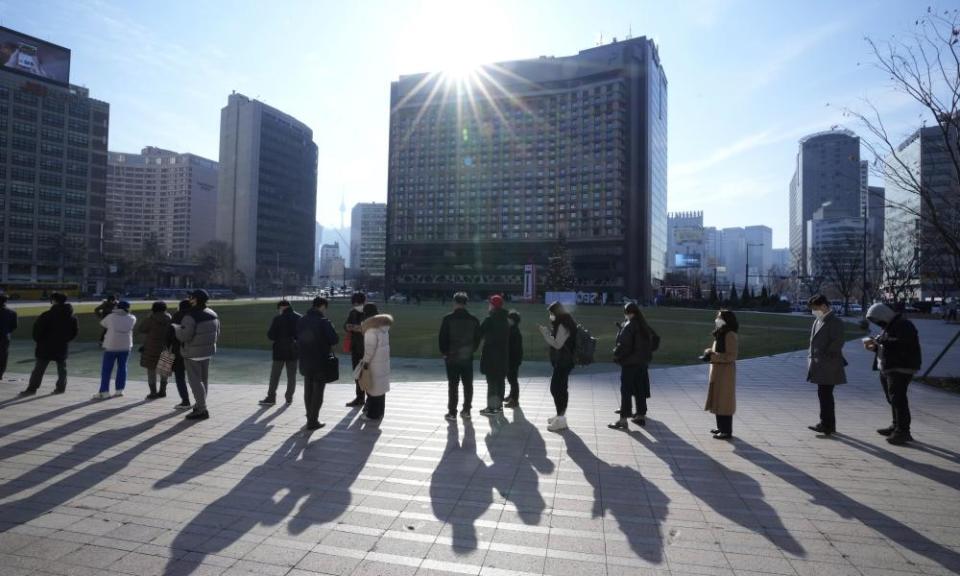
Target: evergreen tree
[764,297]
[733,301]
[713,294]
[561,276]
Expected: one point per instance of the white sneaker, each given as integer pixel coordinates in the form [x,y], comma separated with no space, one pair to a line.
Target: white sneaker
[558,423]
[118,394]
[100,396]
[551,419]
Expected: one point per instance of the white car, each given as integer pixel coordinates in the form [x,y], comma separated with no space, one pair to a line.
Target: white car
[398,299]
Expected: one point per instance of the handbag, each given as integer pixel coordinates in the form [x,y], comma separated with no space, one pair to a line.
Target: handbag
[331,369]
[165,363]
[347,343]
[363,377]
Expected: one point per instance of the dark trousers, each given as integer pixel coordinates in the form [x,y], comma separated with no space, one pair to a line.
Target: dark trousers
[355,360]
[495,387]
[631,386]
[376,406]
[558,388]
[313,387]
[895,388]
[513,375]
[41,366]
[828,418]
[275,369]
[725,424]
[459,371]
[180,375]
[4,354]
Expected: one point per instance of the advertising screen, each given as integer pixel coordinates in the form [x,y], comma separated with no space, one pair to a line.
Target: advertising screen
[27,55]
[686,260]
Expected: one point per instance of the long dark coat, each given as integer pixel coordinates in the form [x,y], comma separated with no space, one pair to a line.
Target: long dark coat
[155,327]
[825,364]
[495,354]
[53,331]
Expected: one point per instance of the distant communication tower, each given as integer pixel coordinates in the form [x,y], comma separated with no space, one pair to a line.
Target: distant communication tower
[343,209]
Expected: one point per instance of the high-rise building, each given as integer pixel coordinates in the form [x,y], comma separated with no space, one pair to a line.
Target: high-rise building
[685,241]
[160,197]
[835,249]
[487,174]
[368,237]
[828,170]
[923,193]
[267,196]
[758,254]
[53,169]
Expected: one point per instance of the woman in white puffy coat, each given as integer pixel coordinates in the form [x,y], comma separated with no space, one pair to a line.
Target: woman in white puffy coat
[376,358]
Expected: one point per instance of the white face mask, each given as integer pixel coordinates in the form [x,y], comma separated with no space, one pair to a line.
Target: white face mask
[553,318]
[358,308]
[819,313]
[627,317]
[719,323]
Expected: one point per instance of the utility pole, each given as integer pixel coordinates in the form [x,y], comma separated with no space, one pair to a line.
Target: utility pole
[746,277]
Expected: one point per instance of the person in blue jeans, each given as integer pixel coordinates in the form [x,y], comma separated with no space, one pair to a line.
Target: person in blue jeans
[117,343]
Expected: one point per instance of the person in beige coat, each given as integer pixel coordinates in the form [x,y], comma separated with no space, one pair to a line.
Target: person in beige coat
[722,393]
[376,359]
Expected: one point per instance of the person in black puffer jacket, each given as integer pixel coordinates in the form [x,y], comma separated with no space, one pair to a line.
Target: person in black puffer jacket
[459,338]
[897,356]
[633,352]
[53,331]
[283,333]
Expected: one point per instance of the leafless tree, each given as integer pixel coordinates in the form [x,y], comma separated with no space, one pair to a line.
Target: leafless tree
[840,264]
[901,262]
[924,65]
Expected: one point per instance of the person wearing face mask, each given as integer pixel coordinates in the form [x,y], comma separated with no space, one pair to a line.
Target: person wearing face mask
[897,357]
[825,361]
[561,337]
[495,354]
[722,393]
[633,352]
[352,328]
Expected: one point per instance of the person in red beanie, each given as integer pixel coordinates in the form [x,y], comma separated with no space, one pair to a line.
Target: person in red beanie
[495,355]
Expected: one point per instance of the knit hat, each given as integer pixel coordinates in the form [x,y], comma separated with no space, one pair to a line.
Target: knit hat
[880,313]
[123,305]
[200,295]
[496,301]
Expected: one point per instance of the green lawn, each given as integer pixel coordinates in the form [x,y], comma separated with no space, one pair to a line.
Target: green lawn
[684,333]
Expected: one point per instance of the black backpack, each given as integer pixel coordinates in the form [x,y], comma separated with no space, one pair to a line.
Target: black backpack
[584,346]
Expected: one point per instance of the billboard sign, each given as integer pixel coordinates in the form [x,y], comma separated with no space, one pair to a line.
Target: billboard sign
[686,260]
[34,57]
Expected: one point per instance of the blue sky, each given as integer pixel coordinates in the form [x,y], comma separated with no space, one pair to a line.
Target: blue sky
[747,79]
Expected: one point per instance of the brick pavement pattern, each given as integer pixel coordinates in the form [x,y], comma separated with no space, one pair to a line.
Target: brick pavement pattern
[123,486]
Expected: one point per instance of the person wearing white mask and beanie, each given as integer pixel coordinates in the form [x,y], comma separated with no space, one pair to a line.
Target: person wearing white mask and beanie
[825,363]
[897,357]
[355,339]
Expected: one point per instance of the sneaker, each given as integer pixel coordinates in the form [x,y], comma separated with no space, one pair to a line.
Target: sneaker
[559,423]
[152,396]
[489,412]
[511,404]
[289,399]
[886,431]
[314,426]
[820,429]
[639,421]
[451,417]
[26,393]
[197,415]
[465,414]
[182,406]
[722,436]
[118,394]
[551,419]
[59,390]
[100,396]
[268,401]
[354,403]
[619,425]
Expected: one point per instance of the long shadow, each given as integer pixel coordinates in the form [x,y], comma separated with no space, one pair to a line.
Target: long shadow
[459,468]
[44,417]
[937,451]
[17,400]
[217,452]
[617,489]
[839,503]
[251,502]
[948,478]
[248,504]
[732,494]
[78,482]
[518,453]
[62,431]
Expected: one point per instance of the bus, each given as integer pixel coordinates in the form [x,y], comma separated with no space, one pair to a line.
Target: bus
[39,290]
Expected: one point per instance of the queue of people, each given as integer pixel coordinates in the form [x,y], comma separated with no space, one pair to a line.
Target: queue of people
[184,344]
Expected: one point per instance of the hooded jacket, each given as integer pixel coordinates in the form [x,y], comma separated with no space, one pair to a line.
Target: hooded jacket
[376,352]
[199,333]
[53,330]
[119,330]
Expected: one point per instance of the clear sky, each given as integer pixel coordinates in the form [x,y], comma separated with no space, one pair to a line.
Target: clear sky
[746,78]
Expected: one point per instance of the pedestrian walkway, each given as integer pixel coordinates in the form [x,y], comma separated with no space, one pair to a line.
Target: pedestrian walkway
[124,486]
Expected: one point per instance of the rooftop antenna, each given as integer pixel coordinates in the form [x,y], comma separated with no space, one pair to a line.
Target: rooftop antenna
[343,209]
[630,32]
[600,41]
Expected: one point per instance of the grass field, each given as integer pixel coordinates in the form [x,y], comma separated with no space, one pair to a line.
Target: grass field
[684,333]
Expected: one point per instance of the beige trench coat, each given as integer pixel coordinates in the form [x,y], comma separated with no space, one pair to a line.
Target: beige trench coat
[722,394]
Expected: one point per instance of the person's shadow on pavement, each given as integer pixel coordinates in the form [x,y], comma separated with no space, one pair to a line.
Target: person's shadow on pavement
[518,452]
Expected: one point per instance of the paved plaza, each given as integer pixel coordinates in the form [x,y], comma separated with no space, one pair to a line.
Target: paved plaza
[126,486]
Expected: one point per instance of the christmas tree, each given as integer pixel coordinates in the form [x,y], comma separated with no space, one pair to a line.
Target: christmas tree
[561,276]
